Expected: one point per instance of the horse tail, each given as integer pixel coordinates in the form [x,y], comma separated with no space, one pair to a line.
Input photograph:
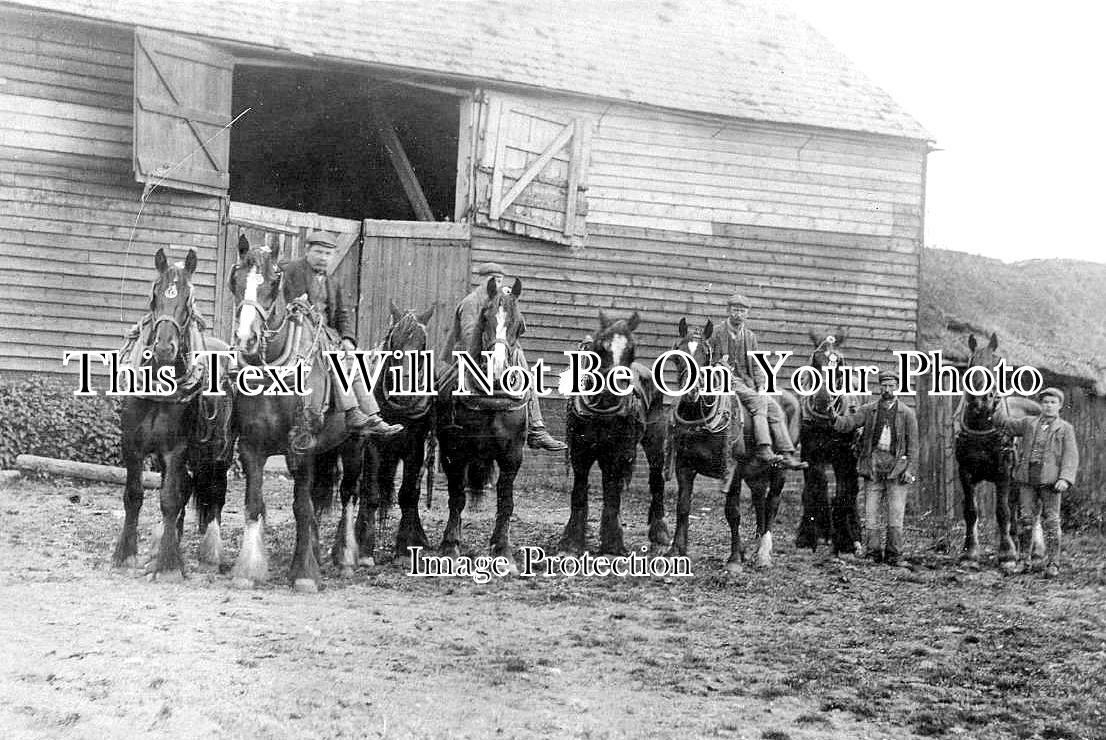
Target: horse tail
[431,454]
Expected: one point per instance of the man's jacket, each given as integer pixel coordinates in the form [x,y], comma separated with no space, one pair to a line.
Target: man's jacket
[906,436]
[1059,453]
[723,343]
[298,276]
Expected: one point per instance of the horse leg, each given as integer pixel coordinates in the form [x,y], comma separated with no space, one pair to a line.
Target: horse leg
[733,518]
[814,493]
[455,482]
[614,472]
[167,563]
[685,484]
[1007,552]
[364,530]
[410,532]
[573,539]
[772,489]
[846,522]
[505,507]
[252,566]
[653,442]
[344,552]
[971,518]
[305,574]
[211,496]
[126,548]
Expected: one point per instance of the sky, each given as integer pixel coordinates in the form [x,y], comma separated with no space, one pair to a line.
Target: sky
[1013,94]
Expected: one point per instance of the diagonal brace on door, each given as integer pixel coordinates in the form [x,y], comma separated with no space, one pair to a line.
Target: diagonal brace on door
[528,175]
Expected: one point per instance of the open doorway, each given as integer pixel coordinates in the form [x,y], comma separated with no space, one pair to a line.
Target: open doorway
[325,142]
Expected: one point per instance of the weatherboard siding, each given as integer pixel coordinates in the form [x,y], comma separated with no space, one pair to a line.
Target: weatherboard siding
[76,255]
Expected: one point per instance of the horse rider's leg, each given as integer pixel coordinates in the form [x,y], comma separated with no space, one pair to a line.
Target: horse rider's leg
[757,406]
[1050,516]
[537,436]
[252,566]
[733,518]
[167,562]
[896,511]
[126,548]
[305,574]
[873,526]
[359,406]
[780,436]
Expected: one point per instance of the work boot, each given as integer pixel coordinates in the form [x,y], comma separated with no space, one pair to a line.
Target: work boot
[540,439]
[791,461]
[764,454]
[365,425]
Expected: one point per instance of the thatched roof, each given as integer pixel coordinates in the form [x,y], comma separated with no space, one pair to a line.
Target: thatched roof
[1047,313]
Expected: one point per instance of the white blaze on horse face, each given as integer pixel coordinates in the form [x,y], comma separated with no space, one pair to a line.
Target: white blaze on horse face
[692,346]
[249,312]
[499,351]
[618,348]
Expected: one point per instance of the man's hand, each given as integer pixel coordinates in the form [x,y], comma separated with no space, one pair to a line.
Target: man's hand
[1062,485]
[348,345]
[906,478]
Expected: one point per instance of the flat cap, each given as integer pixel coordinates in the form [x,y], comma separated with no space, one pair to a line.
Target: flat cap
[490,268]
[888,375]
[738,300]
[1055,393]
[324,238]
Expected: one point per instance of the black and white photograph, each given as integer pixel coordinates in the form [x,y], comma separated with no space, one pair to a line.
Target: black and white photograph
[587,369]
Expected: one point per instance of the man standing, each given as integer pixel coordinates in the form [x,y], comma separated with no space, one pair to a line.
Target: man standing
[1048,460]
[888,462]
[732,344]
[308,277]
[465,318]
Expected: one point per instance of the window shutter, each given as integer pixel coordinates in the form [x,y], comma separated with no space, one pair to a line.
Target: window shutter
[181,103]
[532,173]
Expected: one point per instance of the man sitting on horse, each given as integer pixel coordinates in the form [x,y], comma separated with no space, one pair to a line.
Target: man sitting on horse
[307,277]
[733,343]
[465,318]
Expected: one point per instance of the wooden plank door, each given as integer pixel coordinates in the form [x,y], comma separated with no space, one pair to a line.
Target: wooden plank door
[287,230]
[416,265]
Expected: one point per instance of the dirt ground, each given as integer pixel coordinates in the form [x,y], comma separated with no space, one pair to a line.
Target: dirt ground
[811,648]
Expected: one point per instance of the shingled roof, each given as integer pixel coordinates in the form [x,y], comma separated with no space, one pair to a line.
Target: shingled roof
[1047,313]
[750,59]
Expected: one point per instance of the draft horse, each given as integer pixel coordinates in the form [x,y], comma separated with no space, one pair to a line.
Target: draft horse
[606,428]
[186,431]
[476,430]
[708,437]
[356,541]
[828,519]
[985,452]
[275,333]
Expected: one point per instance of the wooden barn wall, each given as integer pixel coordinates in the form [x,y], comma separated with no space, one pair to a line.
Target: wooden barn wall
[76,255]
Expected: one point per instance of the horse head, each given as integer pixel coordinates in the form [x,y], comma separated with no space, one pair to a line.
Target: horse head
[979,408]
[696,343]
[500,324]
[614,342]
[826,355]
[407,332]
[255,283]
[171,307]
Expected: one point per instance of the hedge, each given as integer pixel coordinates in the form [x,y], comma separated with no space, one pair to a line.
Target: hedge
[41,416]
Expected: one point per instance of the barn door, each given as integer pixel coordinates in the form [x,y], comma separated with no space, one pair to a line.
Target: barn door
[415,264]
[531,177]
[182,102]
[287,230]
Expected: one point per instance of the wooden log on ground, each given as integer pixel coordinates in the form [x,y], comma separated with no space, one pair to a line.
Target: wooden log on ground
[86,471]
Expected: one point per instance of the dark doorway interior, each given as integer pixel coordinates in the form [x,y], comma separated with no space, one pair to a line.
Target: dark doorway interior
[311,144]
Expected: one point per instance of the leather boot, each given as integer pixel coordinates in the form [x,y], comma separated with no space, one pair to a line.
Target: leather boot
[365,424]
[791,461]
[540,439]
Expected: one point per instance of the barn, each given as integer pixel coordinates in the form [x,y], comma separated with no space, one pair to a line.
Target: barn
[654,157]
[1055,331]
